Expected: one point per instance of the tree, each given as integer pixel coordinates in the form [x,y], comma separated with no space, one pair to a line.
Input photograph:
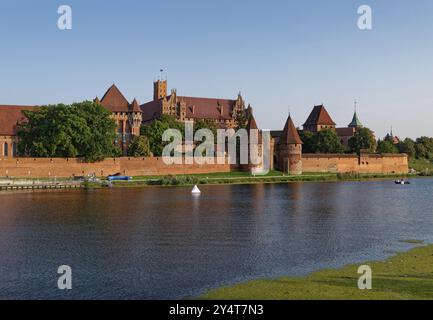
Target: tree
[424,148]
[206,124]
[308,138]
[155,130]
[386,146]
[362,140]
[326,141]
[407,146]
[139,147]
[82,130]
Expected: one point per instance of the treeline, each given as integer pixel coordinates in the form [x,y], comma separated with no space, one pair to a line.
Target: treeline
[81,130]
[421,148]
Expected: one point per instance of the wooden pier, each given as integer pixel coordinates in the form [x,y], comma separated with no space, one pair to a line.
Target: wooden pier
[41,186]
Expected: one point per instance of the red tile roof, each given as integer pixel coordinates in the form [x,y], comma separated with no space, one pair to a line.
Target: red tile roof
[345,132]
[290,134]
[10,116]
[196,108]
[115,101]
[319,116]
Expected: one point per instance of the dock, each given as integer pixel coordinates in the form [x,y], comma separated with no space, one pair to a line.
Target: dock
[39,185]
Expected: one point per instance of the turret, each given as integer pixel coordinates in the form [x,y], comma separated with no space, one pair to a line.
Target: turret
[290,149]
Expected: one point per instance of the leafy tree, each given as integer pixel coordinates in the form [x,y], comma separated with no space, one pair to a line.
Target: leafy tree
[386,146]
[155,130]
[424,148]
[206,124]
[308,138]
[82,130]
[327,141]
[362,140]
[139,147]
[407,146]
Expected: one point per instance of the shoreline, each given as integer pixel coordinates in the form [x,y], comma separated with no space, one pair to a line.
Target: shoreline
[234,178]
[403,276]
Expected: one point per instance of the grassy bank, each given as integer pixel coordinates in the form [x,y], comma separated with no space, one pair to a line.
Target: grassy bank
[405,276]
[423,166]
[246,178]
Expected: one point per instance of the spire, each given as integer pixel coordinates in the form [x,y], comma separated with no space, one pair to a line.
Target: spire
[290,133]
[96,100]
[252,125]
[135,106]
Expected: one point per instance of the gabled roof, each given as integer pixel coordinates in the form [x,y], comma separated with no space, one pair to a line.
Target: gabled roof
[252,125]
[290,134]
[135,107]
[114,100]
[319,116]
[10,116]
[355,122]
[196,108]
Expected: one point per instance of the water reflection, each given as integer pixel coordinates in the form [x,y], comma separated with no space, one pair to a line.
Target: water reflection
[165,243]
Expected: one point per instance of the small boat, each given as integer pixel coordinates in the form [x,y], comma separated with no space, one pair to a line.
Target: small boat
[402,181]
[195,190]
[119,178]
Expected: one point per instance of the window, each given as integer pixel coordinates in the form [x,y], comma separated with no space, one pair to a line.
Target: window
[5,149]
[14,149]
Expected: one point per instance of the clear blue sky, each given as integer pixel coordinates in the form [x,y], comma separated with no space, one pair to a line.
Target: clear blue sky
[277,53]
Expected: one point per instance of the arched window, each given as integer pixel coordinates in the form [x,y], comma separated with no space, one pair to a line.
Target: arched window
[6,149]
[14,149]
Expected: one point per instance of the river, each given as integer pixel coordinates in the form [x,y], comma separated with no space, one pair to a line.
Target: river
[164,243]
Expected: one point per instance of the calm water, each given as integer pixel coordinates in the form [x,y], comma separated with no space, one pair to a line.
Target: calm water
[164,243]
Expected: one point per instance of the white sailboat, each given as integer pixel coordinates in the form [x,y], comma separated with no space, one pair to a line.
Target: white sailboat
[195,190]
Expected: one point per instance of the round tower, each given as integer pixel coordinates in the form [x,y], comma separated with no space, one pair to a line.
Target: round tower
[290,149]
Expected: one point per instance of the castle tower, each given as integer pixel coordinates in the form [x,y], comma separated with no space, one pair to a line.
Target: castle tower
[290,149]
[159,89]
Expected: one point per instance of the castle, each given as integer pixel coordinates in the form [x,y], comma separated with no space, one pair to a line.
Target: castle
[286,145]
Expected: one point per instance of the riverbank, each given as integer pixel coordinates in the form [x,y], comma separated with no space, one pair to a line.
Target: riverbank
[404,276]
[245,178]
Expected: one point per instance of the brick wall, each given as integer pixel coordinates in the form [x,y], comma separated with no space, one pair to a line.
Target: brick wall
[58,167]
[343,163]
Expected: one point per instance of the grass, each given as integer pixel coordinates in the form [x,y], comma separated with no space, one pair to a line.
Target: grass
[405,276]
[423,166]
[237,177]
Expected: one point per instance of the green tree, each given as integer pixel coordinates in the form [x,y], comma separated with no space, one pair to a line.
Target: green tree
[362,140]
[139,147]
[407,146]
[424,148]
[386,146]
[156,129]
[82,130]
[327,142]
[309,140]
[206,124]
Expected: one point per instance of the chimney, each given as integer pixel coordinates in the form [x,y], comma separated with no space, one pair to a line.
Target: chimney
[222,110]
[193,109]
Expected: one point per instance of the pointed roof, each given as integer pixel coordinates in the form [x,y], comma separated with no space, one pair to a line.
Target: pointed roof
[114,100]
[252,125]
[355,122]
[319,116]
[290,134]
[135,106]
[96,100]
